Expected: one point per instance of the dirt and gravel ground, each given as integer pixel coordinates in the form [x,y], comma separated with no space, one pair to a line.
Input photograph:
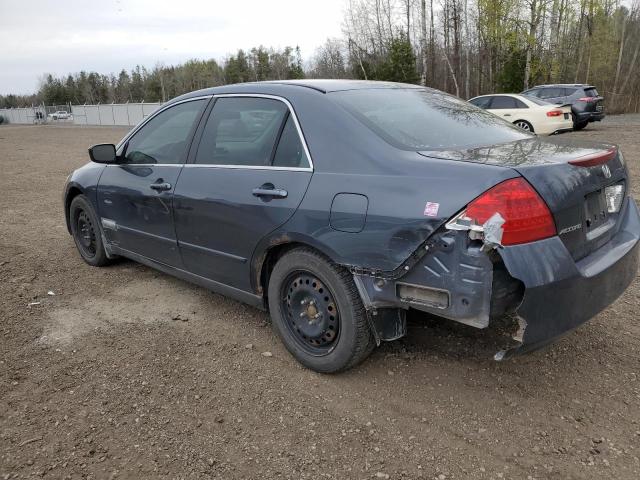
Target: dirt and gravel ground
[129,373]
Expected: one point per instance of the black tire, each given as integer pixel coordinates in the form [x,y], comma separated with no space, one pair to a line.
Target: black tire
[341,338]
[86,232]
[578,125]
[523,124]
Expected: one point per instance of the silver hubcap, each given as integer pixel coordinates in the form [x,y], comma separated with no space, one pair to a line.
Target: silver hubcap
[524,126]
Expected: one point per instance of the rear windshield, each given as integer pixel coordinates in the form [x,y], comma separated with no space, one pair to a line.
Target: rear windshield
[417,119]
[537,101]
[590,92]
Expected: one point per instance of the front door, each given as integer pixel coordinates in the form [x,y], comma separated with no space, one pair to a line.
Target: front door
[135,195]
[248,176]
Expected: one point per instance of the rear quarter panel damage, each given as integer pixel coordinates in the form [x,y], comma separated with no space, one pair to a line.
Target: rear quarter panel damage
[396,225]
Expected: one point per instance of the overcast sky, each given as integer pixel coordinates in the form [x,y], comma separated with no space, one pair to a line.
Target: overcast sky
[62,36]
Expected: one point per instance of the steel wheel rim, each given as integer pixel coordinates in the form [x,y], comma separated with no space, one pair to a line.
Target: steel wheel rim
[85,234]
[310,313]
[524,126]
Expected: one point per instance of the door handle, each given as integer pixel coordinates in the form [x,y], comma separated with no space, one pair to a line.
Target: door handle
[506,115]
[160,187]
[268,190]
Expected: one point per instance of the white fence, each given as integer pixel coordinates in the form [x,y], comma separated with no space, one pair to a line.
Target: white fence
[21,115]
[113,114]
[125,114]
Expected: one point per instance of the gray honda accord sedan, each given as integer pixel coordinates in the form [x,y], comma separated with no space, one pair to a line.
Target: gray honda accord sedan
[339,205]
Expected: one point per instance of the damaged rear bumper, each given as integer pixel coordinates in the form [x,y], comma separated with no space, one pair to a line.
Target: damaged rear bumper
[454,277]
[562,294]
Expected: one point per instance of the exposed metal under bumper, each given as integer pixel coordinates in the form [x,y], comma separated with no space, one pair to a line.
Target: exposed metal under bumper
[453,280]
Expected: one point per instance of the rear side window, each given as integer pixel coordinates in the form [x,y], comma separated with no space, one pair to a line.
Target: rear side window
[534,92]
[552,92]
[569,91]
[590,92]
[501,102]
[482,102]
[290,152]
[420,119]
[242,131]
[165,138]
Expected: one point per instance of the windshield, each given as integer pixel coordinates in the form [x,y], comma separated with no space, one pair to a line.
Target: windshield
[420,119]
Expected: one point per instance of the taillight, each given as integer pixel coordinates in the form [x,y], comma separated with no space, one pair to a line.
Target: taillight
[595,158]
[587,99]
[527,217]
[554,113]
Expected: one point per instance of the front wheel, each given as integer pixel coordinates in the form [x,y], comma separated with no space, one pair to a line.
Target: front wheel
[524,125]
[317,312]
[86,232]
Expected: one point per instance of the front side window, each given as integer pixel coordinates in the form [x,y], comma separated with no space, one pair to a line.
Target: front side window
[421,119]
[242,131]
[165,138]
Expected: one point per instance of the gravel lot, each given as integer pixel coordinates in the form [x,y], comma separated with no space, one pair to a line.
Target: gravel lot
[129,373]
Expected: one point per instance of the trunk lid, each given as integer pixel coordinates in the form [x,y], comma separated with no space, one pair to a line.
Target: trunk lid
[574,192]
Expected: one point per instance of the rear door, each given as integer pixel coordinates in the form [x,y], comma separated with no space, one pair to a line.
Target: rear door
[506,107]
[247,177]
[135,195]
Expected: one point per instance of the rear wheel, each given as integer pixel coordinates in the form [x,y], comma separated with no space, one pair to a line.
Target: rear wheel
[317,312]
[523,124]
[578,125]
[86,232]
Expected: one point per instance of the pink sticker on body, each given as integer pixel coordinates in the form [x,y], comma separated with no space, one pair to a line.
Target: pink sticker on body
[431,209]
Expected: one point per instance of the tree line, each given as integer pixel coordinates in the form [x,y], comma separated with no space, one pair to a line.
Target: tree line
[464,47]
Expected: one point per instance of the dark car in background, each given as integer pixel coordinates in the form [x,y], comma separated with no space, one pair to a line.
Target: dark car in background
[339,205]
[586,103]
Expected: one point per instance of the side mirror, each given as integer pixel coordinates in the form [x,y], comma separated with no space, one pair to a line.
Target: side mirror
[103,153]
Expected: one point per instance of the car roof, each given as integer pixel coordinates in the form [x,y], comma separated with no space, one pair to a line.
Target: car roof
[583,85]
[277,87]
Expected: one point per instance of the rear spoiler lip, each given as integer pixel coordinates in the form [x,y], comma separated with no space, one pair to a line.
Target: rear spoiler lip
[594,159]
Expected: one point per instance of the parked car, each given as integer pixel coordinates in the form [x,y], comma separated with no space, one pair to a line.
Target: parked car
[529,113]
[60,115]
[338,205]
[586,103]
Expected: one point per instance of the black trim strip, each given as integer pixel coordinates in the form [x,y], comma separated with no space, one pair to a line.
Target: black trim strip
[212,251]
[145,234]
